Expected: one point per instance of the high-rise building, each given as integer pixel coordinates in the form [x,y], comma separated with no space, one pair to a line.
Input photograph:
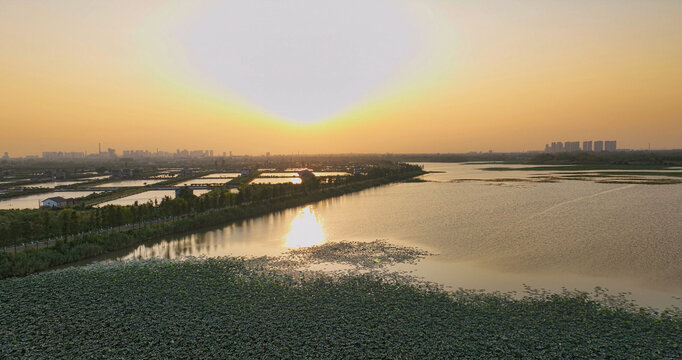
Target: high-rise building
[598,145]
[51,155]
[572,146]
[610,145]
[557,146]
[587,145]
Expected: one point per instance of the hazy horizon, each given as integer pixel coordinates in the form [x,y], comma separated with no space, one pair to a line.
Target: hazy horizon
[351,77]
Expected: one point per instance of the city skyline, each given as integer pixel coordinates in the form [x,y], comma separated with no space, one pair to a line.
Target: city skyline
[555,146]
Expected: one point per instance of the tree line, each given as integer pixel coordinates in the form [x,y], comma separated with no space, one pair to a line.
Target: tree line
[29,225]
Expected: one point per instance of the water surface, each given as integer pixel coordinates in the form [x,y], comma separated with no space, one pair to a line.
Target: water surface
[203,181]
[33,201]
[129,183]
[276,180]
[493,235]
[53,184]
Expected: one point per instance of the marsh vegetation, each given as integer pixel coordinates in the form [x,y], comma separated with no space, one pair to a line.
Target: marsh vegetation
[227,308]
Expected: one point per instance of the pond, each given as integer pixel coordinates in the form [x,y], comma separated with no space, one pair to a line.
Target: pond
[33,201]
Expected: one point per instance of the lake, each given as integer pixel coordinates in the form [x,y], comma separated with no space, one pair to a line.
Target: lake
[486,233]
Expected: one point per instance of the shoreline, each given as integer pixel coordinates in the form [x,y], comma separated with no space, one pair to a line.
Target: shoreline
[92,245]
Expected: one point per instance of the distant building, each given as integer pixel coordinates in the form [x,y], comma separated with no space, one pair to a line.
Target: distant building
[557,146]
[110,154]
[588,145]
[56,202]
[54,174]
[572,146]
[6,156]
[598,146]
[52,155]
[193,154]
[137,153]
[245,172]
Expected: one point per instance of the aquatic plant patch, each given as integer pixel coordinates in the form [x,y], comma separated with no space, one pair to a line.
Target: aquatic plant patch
[374,254]
[224,309]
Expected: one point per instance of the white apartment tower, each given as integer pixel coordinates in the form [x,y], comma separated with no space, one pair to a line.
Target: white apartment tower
[598,145]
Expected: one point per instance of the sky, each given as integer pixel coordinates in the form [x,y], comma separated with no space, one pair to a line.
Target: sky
[303,76]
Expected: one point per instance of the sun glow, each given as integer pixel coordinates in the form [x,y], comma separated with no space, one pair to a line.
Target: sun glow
[306,230]
[307,76]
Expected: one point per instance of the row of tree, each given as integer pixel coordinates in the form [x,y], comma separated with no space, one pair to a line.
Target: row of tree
[23,226]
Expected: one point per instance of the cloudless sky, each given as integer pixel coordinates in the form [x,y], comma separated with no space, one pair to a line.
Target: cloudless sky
[343,76]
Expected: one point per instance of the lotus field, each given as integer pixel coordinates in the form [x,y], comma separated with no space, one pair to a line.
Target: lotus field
[235,308]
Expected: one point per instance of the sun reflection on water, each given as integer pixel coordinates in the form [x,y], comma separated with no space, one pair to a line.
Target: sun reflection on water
[306,230]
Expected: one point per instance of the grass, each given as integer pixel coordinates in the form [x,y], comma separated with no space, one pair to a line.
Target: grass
[225,308]
[576,172]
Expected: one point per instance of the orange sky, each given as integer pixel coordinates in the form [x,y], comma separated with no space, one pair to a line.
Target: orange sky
[451,76]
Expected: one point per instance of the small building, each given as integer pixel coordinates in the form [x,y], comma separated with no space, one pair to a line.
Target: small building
[245,172]
[56,202]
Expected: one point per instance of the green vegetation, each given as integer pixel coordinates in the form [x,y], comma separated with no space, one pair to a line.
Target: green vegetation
[227,309]
[367,255]
[244,179]
[631,169]
[631,159]
[23,192]
[596,173]
[123,192]
[24,226]
[216,208]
